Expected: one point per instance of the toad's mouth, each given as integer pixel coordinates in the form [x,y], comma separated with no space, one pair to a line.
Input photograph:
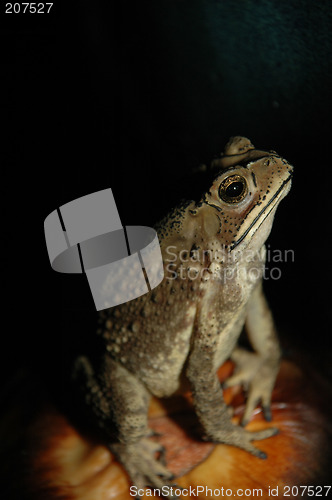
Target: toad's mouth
[272,203]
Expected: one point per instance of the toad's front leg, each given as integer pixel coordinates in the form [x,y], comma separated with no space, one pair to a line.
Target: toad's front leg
[257,371]
[209,404]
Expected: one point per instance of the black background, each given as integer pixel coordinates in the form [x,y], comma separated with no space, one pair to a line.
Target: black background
[132,96]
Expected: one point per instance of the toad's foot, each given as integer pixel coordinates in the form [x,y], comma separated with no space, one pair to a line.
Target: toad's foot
[257,375]
[141,465]
[237,436]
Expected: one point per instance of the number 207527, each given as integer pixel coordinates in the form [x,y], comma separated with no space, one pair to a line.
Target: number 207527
[28,8]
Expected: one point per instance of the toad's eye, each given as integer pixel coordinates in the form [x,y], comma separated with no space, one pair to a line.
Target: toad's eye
[233,189]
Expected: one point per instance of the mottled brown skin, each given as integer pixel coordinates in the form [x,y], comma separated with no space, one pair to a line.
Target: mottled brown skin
[179,334]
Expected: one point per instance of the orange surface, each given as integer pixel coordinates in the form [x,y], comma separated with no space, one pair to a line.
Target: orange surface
[64,464]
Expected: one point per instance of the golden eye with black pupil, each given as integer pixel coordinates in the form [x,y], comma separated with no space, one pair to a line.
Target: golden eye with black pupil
[233,189]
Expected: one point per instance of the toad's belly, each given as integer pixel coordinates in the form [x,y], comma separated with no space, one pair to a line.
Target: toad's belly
[163,375]
[228,338]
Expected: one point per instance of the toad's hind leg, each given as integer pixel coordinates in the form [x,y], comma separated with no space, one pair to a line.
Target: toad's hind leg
[120,401]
